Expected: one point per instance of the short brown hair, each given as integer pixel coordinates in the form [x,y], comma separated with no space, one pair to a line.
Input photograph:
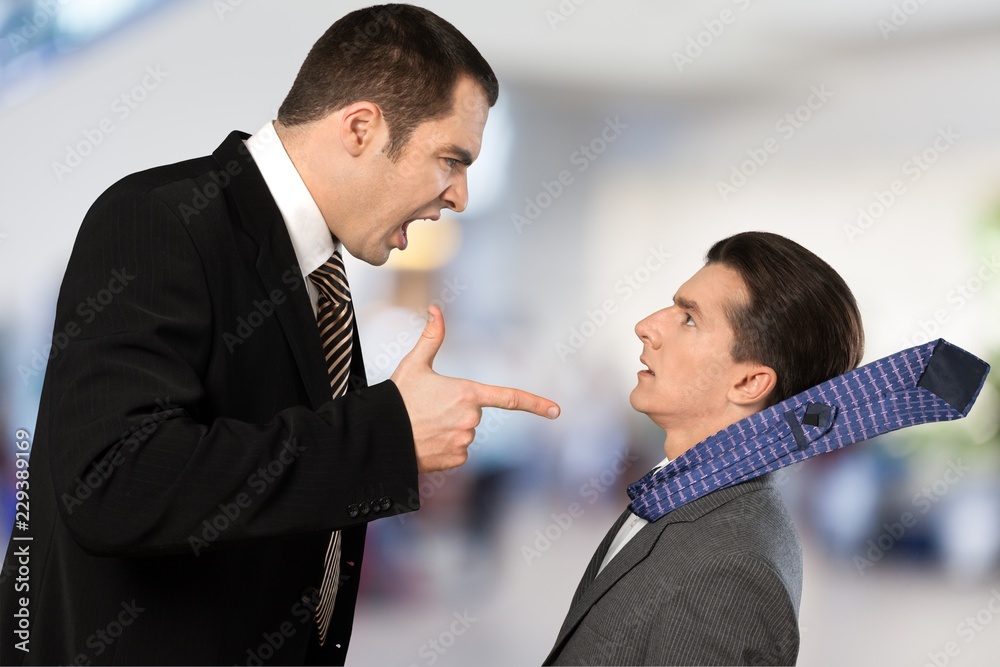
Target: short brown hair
[800,317]
[406,59]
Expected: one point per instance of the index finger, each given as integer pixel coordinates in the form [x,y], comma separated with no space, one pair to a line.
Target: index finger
[508,398]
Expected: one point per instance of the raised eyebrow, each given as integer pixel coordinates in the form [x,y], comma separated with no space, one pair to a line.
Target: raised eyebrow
[686,304]
[463,156]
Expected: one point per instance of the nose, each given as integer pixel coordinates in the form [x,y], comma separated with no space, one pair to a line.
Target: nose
[647,333]
[456,195]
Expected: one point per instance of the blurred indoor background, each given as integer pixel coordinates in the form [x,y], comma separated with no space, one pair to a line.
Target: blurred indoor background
[629,136]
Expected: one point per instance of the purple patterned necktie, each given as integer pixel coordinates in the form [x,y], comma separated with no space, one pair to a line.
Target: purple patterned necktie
[928,383]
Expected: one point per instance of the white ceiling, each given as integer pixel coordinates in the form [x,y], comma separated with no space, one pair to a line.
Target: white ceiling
[630,43]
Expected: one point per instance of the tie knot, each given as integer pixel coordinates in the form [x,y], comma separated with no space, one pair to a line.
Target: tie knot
[331,279]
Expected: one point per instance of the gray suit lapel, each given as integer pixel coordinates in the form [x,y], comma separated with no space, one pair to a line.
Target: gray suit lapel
[594,586]
[598,558]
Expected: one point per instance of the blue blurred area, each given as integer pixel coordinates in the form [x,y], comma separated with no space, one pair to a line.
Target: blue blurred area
[38,33]
[609,167]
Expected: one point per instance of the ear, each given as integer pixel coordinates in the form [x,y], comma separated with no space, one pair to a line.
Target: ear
[754,384]
[361,124]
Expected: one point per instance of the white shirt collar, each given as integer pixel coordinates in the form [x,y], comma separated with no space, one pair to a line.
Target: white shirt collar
[311,238]
[630,528]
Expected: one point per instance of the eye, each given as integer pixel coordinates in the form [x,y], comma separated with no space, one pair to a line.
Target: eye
[688,320]
[451,162]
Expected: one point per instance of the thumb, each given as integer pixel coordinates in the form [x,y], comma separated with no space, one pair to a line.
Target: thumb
[430,340]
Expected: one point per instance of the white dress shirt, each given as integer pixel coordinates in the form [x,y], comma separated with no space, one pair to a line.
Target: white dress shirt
[311,238]
[629,529]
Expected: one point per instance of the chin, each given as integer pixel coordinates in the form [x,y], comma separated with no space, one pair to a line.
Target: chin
[635,402]
[377,258]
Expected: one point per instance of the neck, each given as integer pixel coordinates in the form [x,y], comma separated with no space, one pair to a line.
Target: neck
[682,437]
[295,140]
[677,442]
[314,169]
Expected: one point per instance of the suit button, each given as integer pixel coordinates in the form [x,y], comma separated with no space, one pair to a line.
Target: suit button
[352,511]
[364,508]
[385,503]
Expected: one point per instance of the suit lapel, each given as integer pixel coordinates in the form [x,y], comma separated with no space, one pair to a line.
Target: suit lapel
[277,264]
[593,586]
[358,378]
[595,561]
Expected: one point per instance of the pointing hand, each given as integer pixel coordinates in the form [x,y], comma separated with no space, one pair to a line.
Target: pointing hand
[444,411]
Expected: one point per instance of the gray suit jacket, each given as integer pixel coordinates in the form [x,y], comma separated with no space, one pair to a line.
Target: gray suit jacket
[715,582]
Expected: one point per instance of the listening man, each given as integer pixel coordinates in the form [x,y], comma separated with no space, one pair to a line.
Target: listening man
[717,580]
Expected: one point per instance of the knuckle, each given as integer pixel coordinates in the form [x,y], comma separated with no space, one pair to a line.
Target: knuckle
[467,393]
[461,440]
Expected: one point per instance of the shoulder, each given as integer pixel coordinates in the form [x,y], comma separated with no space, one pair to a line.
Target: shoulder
[186,199]
[170,184]
[137,223]
[751,526]
[751,514]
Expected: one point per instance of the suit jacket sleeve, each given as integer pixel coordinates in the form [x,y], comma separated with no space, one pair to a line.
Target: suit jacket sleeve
[733,610]
[135,469]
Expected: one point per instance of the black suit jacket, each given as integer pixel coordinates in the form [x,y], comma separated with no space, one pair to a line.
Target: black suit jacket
[188,462]
[715,582]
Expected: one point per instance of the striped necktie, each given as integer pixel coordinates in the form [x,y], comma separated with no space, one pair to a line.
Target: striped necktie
[335,319]
[933,382]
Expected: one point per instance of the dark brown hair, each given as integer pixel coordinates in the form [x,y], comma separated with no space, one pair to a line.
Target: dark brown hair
[403,58]
[800,317]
